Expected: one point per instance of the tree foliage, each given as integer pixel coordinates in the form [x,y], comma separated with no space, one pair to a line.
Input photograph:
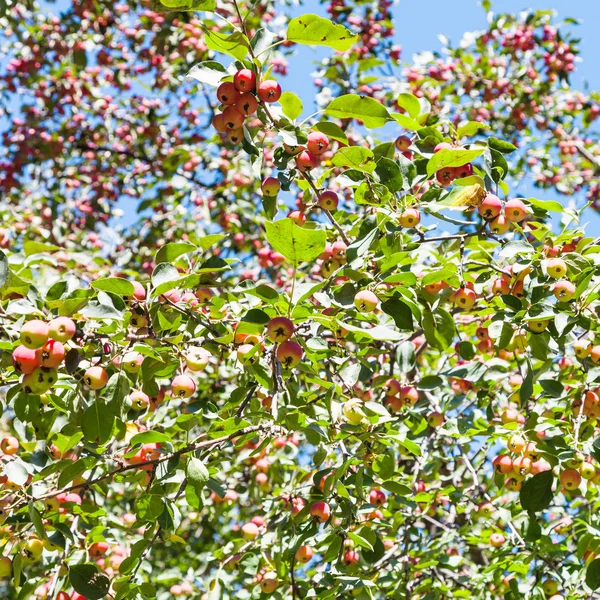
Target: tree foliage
[338,354]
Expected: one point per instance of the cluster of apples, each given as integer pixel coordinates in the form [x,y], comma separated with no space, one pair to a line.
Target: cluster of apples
[499,216]
[41,352]
[239,99]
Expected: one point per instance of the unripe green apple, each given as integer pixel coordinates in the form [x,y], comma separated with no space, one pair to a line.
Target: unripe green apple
[587,470]
[538,326]
[550,586]
[499,225]
[365,301]
[353,411]
[132,362]
[34,334]
[5,567]
[563,290]
[249,531]
[197,358]
[62,329]
[556,268]
[410,218]
[32,549]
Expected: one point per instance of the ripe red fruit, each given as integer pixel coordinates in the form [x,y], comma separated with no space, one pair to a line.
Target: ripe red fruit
[442,146]
[563,290]
[392,387]
[98,549]
[289,354]
[377,497]
[51,354]
[490,208]
[218,122]
[34,334]
[463,171]
[244,80]
[445,176]
[365,301]
[402,143]
[280,329]
[317,142]
[464,298]
[233,118]
[270,186]
[9,445]
[515,211]
[351,558]
[306,161]
[304,554]
[227,93]
[570,479]
[409,395]
[235,136]
[320,512]
[502,464]
[24,360]
[298,217]
[62,329]
[246,104]
[269,91]
[328,200]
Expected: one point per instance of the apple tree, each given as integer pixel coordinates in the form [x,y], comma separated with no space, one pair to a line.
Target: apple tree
[342,350]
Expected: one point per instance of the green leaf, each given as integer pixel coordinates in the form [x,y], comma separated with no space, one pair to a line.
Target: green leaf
[536,493]
[36,519]
[389,174]
[297,244]
[196,473]
[405,356]
[409,103]
[549,205]
[439,328]
[97,423]
[400,312]
[351,106]
[31,247]
[501,145]
[406,122]
[210,72]
[149,506]
[115,285]
[526,389]
[163,275]
[170,252]
[150,437]
[3,269]
[471,128]
[452,157]
[210,240]
[74,470]
[332,131]
[355,157]
[316,31]
[291,105]
[397,488]
[87,580]
[235,45]
[360,541]
[163,6]
[592,574]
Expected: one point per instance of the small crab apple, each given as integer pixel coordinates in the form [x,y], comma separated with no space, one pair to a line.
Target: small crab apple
[246,104]
[197,358]
[570,479]
[377,497]
[351,557]
[531,451]
[463,171]
[352,410]
[587,470]
[516,444]
[270,186]
[392,387]
[183,386]
[538,326]
[244,80]
[499,225]
[515,210]
[32,549]
[445,176]
[269,91]
[490,208]
[514,484]
[550,586]
[9,445]
[62,329]
[249,531]
[235,136]
[233,118]
[582,349]
[486,510]
[298,217]
[293,150]
[218,122]
[280,329]
[98,549]
[34,334]
[227,93]
[304,554]
[442,146]
[269,582]
[464,298]
[410,218]
[51,354]
[556,268]
[132,362]
[365,301]
[317,142]
[289,354]
[306,161]
[563,290]
[328,200]
[497,540]
[409,395]
[204,295]
[402,143]
[95,378]
[435,419]
[320,512]
[24,360]
[139,400]
[502,464]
